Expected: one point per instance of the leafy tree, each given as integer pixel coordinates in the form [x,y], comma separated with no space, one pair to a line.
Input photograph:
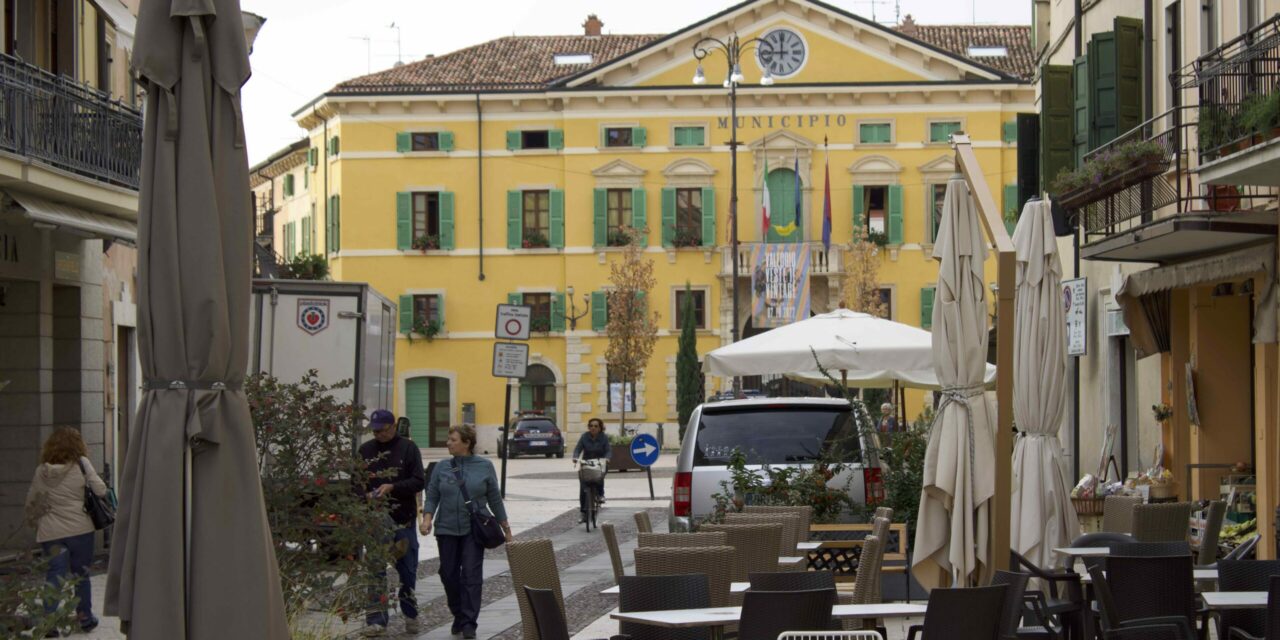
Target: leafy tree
[862,277]
[689,387]
[632,327]
[23,592]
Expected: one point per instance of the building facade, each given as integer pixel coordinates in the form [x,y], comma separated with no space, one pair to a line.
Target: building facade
[1179,246]
[283,204]
[70,156]
[509,171]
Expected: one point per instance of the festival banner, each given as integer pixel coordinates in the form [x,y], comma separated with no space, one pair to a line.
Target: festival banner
[779,284]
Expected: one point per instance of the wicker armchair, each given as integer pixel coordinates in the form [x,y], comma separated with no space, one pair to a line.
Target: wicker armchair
[767,614]
[1245,575]
[700,539]
[1166,522]
[643,524]
[1117,513]
[790,525]
[1112,622]
[716,563]
[805,513]
[757,546]
[1168,631]
[1153,587]
[1208,553]
[1096,539]
[533,564]
[880,529]
[1064,599]
[1150,549]
[656,593]
[1272,626]
[866,583]
[972,614]
[615,553]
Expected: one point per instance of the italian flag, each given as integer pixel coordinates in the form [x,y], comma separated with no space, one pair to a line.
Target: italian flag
[764,203]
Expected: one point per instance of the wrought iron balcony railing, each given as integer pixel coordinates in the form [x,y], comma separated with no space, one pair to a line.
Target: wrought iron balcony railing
[65,124]
[821,260]
[1239,90]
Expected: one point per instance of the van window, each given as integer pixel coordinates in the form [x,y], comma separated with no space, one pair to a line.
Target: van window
[775,435]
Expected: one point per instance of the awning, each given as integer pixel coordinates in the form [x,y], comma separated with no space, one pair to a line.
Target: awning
[1141,294]
[101,225]
[120,16]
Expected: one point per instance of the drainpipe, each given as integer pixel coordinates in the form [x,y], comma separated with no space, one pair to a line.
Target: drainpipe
[324,144]
[480,180]
[1148,48]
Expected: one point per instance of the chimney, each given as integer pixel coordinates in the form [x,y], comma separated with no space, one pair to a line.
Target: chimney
[908,26]
[592,26]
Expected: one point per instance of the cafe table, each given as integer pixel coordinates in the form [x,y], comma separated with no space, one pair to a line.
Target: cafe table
[1200,575]
[808,546]
[736,587]
[718,617]
[792,559]
[1083,552]
[1221,600]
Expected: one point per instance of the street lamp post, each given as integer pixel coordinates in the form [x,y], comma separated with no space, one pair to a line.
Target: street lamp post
[573,316]
[732,48]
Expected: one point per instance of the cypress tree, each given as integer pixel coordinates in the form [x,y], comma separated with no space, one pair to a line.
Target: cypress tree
[688,376]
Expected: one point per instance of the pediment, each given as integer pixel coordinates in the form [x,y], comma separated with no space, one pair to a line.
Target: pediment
[782,140]
[944,164]
[618,169]
[875,165]
[688,167]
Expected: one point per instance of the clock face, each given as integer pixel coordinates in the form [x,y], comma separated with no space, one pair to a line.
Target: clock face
[782,52]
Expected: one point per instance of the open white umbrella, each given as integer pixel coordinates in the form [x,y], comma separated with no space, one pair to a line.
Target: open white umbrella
[1042,516]
[953,528]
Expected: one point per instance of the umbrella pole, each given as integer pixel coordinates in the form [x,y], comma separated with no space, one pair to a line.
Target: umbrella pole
[186,536]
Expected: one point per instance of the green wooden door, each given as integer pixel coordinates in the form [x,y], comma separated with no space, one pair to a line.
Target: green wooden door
[417,408]
[1129,66]
[1080,78]
[782,205]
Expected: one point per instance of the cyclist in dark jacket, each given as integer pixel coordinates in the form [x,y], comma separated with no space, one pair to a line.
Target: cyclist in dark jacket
[593,444]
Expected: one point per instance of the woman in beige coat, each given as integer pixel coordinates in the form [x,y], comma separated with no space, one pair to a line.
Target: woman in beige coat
[55,508]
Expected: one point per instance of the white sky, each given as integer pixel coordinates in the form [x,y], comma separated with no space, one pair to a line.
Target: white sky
[308,46]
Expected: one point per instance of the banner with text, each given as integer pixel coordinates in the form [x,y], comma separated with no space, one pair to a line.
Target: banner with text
[779,284]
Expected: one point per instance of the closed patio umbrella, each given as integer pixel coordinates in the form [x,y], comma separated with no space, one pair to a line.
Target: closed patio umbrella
[1042,516]
[953,527]
[192,557]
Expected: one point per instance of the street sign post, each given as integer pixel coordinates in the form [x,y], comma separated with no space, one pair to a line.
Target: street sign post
[645,451]
[512,322]
[510,359]
[1075,295]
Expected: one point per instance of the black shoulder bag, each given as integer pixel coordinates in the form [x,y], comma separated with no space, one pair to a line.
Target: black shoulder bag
[483,525]
[100,511]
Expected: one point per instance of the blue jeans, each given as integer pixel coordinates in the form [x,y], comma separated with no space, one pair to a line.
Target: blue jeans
[462,572]
[407,567]
[72,555]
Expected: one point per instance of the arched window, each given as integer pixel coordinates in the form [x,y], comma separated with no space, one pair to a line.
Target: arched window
[783,195]
[538,390]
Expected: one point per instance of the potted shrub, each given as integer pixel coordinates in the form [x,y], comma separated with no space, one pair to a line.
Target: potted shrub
[305,267]
[426,243]
[1214,130]
[618,238]
[878,238]
[534,240]
[1260,115]
[428,330]
[686,237]
[1110,172]
[620,454]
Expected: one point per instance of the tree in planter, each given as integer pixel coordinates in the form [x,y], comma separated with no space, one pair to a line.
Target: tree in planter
[862,277]
[689,388]
[305,267]
[632,328]
[330,540]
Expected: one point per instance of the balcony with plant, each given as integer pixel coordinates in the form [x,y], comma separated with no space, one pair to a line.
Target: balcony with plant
[426,328]
[1239,90]
[426,242]
[618,238]
[1109,171]
[686,237]
[534,240]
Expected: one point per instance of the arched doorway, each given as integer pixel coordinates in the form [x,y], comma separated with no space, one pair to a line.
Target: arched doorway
[783,193]
[426,405]
[538,390]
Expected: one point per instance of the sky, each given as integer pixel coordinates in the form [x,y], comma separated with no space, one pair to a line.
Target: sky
[308,46]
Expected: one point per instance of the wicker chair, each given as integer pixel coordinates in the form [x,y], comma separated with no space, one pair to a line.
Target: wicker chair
[757,545]
[548,613]
[1212,529]
[1272,626]
[972,614]
[880,529]
[792,581]
[643,525]
[716,563]
[657,593]
[533,564]
[830,635]
[1096,539]
[1153,587]
[1112,622]
[615,553]
[700,539]
[790,524]
[1064,599]
[1245,575]
[768,614]
[1015,608]
[1168,631]
[866,583]
[805,513]
[1117,513]
[1166,522]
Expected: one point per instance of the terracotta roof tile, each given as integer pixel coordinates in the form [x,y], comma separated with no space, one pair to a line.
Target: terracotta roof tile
[1016,39]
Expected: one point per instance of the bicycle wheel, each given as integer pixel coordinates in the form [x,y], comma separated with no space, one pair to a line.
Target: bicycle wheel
[591,506]
[596,505]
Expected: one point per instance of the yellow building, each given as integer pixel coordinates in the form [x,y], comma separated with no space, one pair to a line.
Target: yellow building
[504,171]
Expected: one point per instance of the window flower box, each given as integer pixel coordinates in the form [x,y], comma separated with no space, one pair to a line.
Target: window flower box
[1109,173]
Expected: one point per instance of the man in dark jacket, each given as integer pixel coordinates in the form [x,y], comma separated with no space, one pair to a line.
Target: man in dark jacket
[396,476]
[593,444]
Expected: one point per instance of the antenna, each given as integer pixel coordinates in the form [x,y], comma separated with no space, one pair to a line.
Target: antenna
[399,52]
[873,3]
[368,52]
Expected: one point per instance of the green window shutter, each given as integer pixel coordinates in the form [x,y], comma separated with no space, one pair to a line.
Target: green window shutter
[526,397]
[513,140]
[440,310]
[895,214]
[288,185]
[307,224]
[337,223]
[604,137]
[446,140]
[638,136]
[1056,109]
[941,131]
[1082,125]
[557,218]
[446,220]
[1010,207]
[328,225]
[681,137]
[1128,73]
[599,216]
[312,157]
[515,298]
[1103,105]
[859,207]
[406,314]
[306,179]
[404,142]
[926,307]
[698,136]
[555,139]
[668,216]
[640,215]
[708,216]
[515,228]
[642,302]
[404,220]
[1010,134]
[599,311]
[337,148]
[557,312]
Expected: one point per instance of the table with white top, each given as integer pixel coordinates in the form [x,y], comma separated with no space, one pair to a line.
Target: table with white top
[1083,552]
[734,587]
[1200,575]
[808,546]
[1221,600]
[792,559]
[717,617]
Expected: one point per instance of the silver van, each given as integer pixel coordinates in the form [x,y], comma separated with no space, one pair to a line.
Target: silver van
[769,431]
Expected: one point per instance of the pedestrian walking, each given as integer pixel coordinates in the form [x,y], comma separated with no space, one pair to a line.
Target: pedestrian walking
[446,512]
[55,508]
[591,445]
[395,468]
[888,421]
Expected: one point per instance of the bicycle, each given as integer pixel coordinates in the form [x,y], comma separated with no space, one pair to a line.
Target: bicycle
[591,474]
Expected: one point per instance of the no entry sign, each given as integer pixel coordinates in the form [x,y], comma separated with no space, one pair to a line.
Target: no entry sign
[512,322]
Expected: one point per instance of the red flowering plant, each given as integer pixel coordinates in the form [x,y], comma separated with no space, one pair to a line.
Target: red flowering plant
[330,540]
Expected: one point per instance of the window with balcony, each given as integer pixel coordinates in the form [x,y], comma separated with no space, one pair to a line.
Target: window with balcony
[426,220]
[618,213]
[688,231]
[536,219]
[427,310]
[876,200]
[540,311]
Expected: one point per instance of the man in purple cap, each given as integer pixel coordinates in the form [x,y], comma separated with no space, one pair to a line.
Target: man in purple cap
[395,469]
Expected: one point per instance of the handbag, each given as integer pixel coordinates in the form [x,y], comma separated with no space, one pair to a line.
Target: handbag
[483,525]
[100,510]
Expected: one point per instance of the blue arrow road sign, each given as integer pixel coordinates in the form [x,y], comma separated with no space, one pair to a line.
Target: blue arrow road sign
[645,450]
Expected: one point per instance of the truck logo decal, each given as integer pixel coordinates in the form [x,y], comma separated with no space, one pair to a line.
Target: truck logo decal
[313,315]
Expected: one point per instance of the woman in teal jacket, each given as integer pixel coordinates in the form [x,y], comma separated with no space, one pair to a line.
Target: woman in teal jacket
[461,554]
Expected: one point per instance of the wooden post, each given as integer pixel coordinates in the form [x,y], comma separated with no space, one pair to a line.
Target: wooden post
[993,224]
